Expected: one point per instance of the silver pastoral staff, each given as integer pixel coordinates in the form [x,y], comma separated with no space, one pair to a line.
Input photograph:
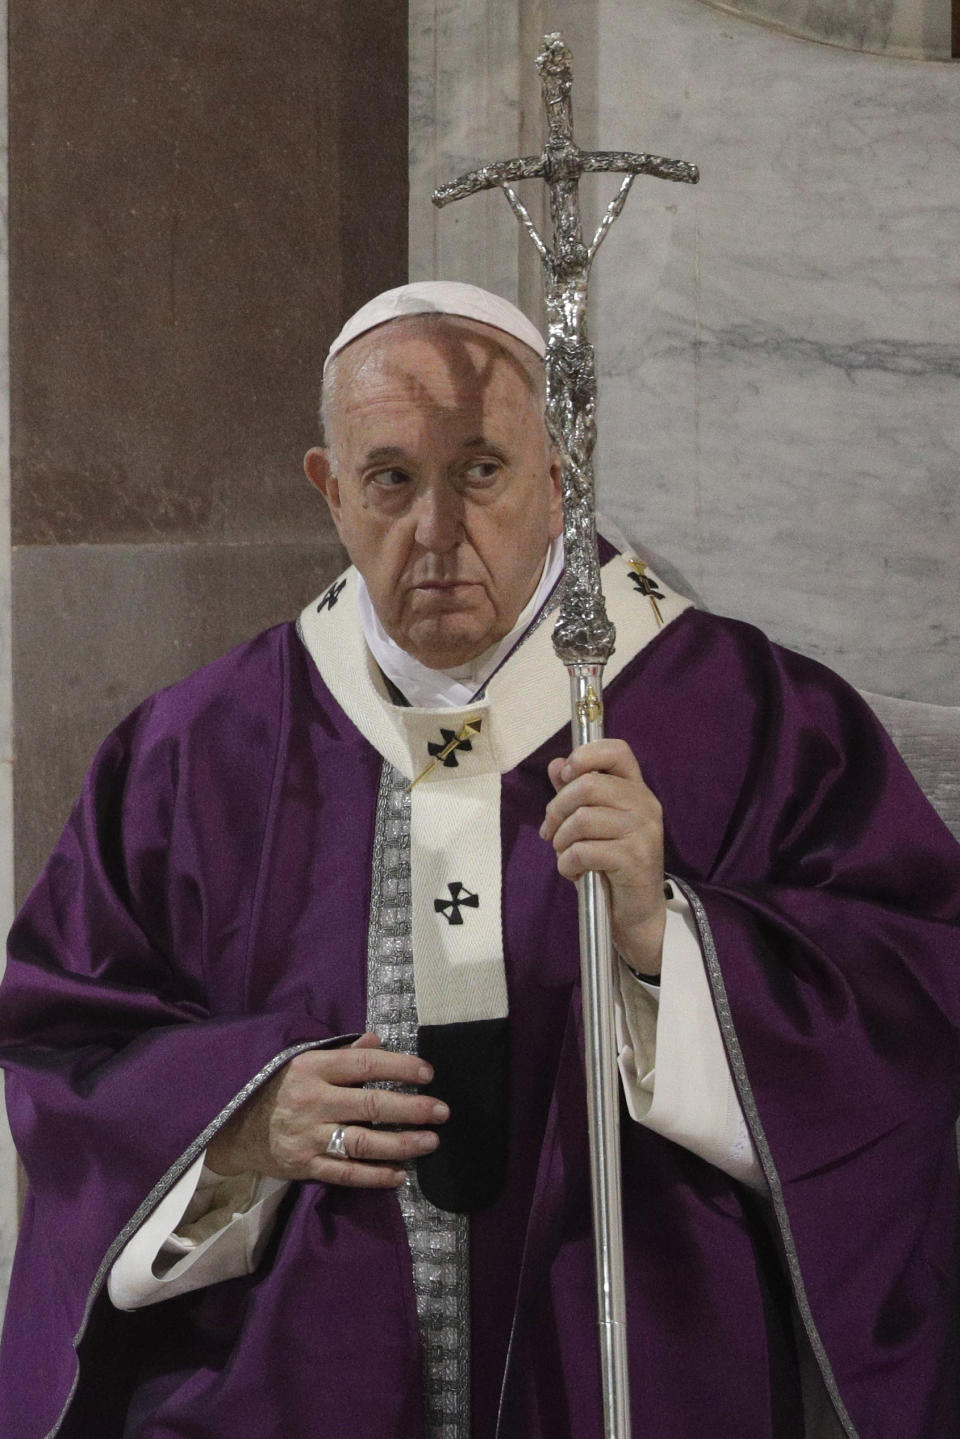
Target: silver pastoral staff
[584,636]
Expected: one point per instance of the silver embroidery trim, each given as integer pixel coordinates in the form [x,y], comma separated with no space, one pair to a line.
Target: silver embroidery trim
[165,1183]
[755,1125]
[439,1242]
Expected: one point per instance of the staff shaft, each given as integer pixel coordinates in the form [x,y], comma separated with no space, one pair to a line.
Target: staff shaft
[603,1093]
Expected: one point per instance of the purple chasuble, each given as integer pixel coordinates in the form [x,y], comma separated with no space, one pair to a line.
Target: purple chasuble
[204,917]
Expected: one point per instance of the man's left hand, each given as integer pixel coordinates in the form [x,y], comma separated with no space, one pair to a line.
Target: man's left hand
[604,817]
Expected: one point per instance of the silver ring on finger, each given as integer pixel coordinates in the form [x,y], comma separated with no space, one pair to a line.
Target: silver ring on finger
[337,1145]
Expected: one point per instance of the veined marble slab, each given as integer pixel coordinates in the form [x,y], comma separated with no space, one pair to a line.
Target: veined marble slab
[918,29]
[779,349]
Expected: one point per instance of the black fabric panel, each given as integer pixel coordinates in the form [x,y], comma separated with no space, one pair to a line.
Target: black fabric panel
[470,1066]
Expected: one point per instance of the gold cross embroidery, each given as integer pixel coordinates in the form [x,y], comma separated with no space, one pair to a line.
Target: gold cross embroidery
[467,731]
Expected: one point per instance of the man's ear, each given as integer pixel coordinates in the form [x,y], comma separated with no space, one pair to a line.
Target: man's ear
[318,470]
[556,495]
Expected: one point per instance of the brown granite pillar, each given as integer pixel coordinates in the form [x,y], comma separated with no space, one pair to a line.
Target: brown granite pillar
[199,195]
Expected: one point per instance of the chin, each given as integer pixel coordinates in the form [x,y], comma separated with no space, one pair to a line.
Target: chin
[446,651]
[448,659]
[443,640]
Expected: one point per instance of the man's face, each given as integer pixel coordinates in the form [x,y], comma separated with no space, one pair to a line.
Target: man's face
[441,483]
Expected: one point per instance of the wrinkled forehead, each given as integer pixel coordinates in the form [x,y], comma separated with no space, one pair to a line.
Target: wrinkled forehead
[446,358]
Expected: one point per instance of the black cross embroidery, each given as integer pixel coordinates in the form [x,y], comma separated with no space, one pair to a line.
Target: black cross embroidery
[446,750]
[331,596]
[460,896]
[647,585]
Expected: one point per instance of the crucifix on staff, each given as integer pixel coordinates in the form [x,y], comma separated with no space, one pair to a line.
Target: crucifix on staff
[583,637]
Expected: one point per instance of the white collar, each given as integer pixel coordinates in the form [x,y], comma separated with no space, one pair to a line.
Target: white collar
[426,688]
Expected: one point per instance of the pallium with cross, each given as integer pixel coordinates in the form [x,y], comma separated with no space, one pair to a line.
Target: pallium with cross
[584,636]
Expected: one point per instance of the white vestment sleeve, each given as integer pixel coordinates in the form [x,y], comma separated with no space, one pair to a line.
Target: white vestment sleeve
[207,1228]
[673,1064]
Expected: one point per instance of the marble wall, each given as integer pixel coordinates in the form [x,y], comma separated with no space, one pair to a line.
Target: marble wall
[916,29]
[781,411]
[777,348]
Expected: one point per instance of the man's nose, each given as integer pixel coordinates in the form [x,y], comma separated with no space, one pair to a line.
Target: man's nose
[439,517]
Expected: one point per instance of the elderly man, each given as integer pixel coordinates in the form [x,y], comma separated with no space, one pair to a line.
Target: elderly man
[292,1023]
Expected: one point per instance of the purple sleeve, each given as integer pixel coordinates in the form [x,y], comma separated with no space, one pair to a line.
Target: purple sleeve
[119,1066]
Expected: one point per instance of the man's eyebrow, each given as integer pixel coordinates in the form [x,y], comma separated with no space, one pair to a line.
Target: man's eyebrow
[384,452]
[480,442]
[387,454]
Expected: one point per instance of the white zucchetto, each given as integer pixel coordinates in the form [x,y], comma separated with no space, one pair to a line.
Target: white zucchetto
[439,297]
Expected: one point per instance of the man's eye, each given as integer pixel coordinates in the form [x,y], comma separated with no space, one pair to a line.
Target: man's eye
[390,479]
[482,472]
